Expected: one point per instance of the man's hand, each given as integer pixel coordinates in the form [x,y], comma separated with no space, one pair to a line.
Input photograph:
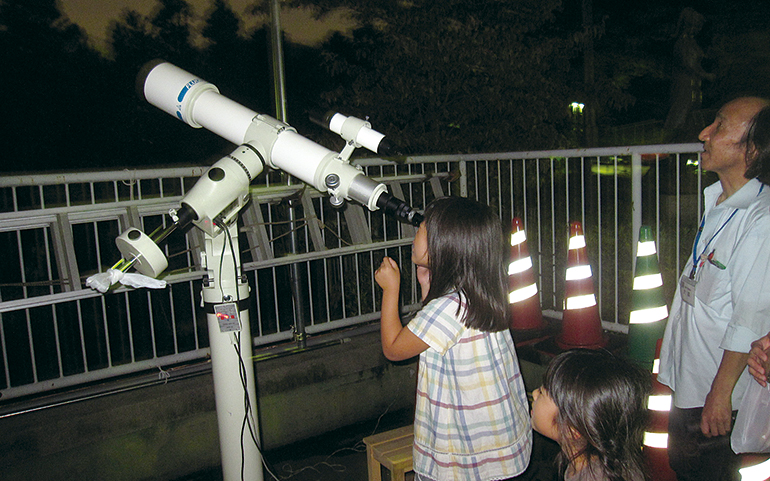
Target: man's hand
[717,411]
[717,414]
[758,359]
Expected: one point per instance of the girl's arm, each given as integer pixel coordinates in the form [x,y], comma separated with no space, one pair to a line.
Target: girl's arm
[398,342]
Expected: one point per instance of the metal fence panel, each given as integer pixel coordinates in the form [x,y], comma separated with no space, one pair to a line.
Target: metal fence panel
[57,229]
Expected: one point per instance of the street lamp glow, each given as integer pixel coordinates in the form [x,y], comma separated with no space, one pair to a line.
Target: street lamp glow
[577,107]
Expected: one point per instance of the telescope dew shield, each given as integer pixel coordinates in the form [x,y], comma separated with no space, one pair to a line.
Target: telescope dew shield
[194,101]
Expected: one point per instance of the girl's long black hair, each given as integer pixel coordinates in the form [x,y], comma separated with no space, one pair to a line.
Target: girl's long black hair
[602,398]
[466,252]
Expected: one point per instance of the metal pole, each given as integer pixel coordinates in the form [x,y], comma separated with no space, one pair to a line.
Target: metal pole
[279,91]
[276,49]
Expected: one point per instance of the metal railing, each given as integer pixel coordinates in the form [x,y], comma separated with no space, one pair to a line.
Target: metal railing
[57,229]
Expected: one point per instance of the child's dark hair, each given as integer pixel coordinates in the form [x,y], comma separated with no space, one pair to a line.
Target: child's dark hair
[602,398]
[466,253]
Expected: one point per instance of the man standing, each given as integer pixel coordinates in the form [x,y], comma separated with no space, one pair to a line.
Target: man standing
[721,304]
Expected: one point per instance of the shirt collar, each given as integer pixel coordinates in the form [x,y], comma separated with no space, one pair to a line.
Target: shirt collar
[739,200]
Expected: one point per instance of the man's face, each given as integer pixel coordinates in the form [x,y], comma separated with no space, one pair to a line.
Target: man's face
[724,149]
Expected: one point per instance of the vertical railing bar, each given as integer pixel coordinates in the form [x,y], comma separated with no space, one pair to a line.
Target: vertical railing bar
[358,284]
[539,229]
[553,232]
[512,183]
[566,190]
[94,224]
[32,357]
[310,293]
[342,290]
[48,262]
[151,319]
[488,188]
[599,220]
[175,336]
[107,343]
[583,189]
[82,336]
[6,364]
[15,199]
[326,290]
[617,248]
[129,327]
[678,215]
[22,265]
[524,192]
[275,303]
[57,339]
[599,237]
[257,308]
[657,201]
[372,283]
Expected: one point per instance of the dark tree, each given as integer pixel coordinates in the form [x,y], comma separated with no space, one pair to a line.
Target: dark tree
[54,100]
[454,76]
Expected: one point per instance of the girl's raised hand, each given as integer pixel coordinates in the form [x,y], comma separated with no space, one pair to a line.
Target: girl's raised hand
[388,275]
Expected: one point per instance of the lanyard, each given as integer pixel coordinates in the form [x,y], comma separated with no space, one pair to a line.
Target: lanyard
[695,257]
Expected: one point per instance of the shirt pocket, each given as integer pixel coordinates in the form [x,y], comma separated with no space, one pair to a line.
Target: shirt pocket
[713,284]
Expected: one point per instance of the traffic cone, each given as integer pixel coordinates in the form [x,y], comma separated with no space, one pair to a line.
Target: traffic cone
[655,447]
[648,309]
[581,325]
[523,297]
[755,467]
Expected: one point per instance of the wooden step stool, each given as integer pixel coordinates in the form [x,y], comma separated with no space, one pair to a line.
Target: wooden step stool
[392,449]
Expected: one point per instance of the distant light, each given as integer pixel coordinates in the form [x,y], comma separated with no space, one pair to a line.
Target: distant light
[577,107]
[692,162]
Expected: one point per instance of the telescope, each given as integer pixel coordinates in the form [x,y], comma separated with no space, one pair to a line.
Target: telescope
[213,205]
[262,141]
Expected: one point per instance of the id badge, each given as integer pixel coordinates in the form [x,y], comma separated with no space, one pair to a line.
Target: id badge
[687,289]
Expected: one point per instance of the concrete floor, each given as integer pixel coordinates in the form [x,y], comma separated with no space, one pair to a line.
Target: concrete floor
[341,456]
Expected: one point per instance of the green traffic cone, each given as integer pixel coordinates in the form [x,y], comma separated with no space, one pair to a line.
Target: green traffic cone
[648,308]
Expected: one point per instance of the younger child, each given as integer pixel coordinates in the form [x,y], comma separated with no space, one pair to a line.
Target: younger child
[471,416]
[593,404]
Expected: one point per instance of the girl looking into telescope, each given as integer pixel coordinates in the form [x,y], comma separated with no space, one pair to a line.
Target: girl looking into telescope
[471,419]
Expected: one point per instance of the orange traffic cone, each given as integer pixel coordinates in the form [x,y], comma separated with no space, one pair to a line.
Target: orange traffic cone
[523,298]
[656,437]
[581,325]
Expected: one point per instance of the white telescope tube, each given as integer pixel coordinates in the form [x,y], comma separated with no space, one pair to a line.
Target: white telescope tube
[194,101]
[199,104]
